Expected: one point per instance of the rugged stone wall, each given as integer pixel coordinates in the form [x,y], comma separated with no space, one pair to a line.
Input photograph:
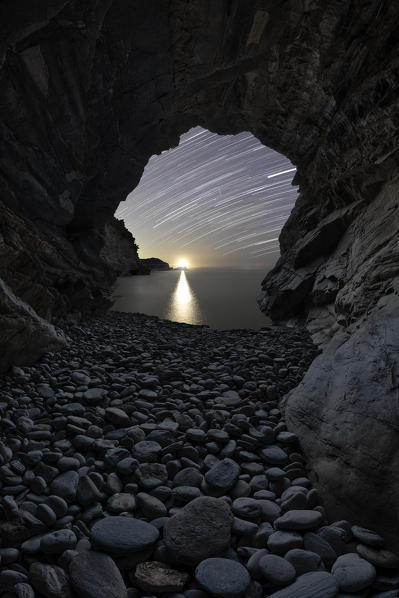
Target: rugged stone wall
[89,90]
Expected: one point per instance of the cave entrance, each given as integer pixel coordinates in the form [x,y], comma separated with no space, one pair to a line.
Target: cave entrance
[215,200]
[215,204]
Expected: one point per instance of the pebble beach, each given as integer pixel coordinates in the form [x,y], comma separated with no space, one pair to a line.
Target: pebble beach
[151,458]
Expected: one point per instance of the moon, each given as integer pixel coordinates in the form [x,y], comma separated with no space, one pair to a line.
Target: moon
[182,263]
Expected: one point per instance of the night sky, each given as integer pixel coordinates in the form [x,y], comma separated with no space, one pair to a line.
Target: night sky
[213,201]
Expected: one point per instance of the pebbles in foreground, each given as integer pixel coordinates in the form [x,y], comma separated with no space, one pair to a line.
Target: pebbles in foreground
[150,458]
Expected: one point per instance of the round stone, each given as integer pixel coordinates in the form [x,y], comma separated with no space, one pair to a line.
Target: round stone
[247,508]
[146,451]
[158,578]
[353,573]
[276,570]
[65,485]
[311,585]
[380,558]
[282,542]
[200,530]
[223,578]
[123,535]
[49,580]
[304,561]
[299,520]
[58,541]
[367,536]
[188,477]
[274,455]
[150,506]
[320,546]
[94,396]
[121,502]
[117,416]
[223,475]
[95,575]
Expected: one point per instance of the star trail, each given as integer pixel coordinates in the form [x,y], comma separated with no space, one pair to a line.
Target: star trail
[213,200]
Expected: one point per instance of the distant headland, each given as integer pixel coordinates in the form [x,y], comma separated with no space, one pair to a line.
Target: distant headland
[154,263]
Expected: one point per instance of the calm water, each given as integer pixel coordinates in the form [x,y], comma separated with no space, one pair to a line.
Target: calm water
[223,299]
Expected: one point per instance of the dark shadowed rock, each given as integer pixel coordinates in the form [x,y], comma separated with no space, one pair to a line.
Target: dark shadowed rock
[311,585]
[223,578]
[50,580]
[123,535]
[159,578]
[95,575]
[299,520]
[200,530]
[353,573]
[223,475]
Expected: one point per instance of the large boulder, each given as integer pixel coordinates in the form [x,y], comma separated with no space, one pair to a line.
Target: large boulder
[346,411]
[25,336]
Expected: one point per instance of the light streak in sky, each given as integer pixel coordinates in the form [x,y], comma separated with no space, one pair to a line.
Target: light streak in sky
[212,195]
[270,176]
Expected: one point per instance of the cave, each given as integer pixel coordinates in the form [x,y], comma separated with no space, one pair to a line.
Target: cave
[91,90]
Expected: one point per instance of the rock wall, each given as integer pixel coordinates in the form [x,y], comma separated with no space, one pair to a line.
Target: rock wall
[89,90]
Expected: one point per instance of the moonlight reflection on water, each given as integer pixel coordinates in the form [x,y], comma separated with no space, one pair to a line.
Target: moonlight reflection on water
[184,306]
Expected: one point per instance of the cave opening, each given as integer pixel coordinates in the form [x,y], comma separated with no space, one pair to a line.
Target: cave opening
[213,206]
[214,201]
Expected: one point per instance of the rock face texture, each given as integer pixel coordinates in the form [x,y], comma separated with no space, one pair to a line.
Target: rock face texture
[89,90]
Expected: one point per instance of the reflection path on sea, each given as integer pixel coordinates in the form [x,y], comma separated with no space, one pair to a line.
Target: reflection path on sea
[184,306]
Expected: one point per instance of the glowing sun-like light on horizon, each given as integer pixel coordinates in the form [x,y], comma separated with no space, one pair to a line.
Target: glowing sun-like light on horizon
[182,263]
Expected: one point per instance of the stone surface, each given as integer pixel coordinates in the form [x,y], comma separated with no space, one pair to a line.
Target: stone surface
[200,530]
[276,570]
[25,336]
[49,580]
[123,535]
[95,575]
[353,573]
[223,475]
[222,578]
[304,561]
[159,578]
[311,585]
[299,520]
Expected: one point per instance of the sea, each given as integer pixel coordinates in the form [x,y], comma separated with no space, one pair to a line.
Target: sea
[220,299]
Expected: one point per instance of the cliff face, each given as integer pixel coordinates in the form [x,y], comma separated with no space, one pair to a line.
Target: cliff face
[89,90]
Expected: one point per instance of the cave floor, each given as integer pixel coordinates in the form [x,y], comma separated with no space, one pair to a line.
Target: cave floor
[151,457]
